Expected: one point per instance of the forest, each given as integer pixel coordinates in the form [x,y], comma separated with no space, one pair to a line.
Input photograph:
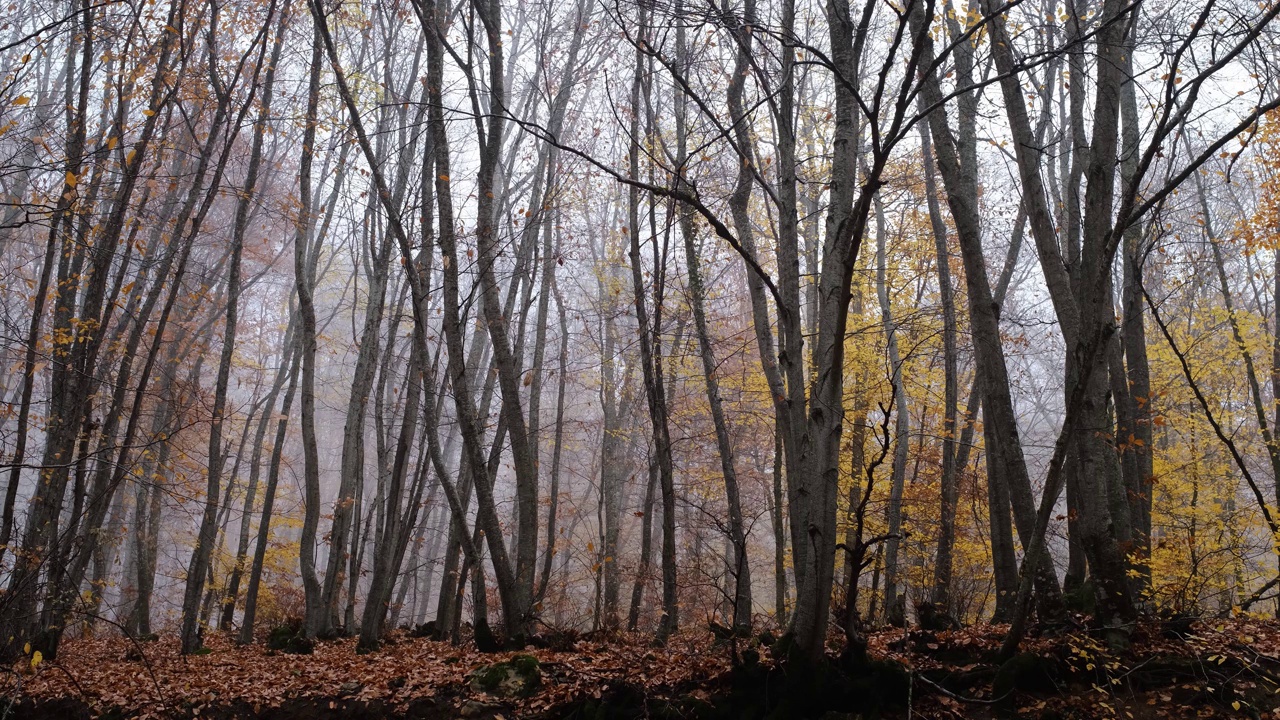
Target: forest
[640,358]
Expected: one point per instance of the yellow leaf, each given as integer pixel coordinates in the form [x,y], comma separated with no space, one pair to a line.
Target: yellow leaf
[1235,705]
[72,179]
[148,113]
[111,143]
[36,658]
[26,649]
[22,101]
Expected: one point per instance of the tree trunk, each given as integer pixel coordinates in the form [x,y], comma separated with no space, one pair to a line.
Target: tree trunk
[255,466]
[519,614]
[1138,370]
[557,447]
[740,567]
[650,355]
[201,555]
[304,274]
[942,566]
[956,157]
[901,403]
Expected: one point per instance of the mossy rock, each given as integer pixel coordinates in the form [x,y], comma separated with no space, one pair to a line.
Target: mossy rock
[290,638]
[855,685]
[1081,599]
[725,635]
[1025,672]
[518,677]
[883,684]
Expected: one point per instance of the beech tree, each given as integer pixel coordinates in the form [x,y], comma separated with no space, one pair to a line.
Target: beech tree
[326,320]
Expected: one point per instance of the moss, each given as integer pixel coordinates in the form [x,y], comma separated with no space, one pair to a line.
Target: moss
[518,677]
[1081,598]
[290,638]
[525,664]
[1026,672]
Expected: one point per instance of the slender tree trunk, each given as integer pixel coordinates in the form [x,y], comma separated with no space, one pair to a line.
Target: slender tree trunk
[740,567]
[526,465]
[393,539]
[646,546]
[283,375]
[1138,369]
[894,606]
[202,554]
[650,358]
[346,508]
[942,567]
[305,282]
[615,406]
[269,493]
[147,522]
[956,158]
[557,447]
[779,529]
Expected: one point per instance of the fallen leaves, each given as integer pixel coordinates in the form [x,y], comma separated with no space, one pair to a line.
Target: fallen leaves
[113,674]
[1221,668]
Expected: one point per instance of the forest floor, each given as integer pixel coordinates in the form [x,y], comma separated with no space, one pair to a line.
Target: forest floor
[1209,668]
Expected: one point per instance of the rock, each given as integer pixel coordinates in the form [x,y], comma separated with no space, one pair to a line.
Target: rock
[290,638]
[1177,626]
[517,677]
[1027,672]
[1081,599]
[725,634]
[896,611]
[931,617]
[921,641]
[476,709]
[347,689]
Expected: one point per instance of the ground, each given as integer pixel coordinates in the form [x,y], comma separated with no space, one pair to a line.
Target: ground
[1173,669]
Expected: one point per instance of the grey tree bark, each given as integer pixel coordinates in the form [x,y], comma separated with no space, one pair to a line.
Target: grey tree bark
[304,279]
[894,606]
[650,349]
[956,158]
[942,565]
[740,567]
[201,555]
